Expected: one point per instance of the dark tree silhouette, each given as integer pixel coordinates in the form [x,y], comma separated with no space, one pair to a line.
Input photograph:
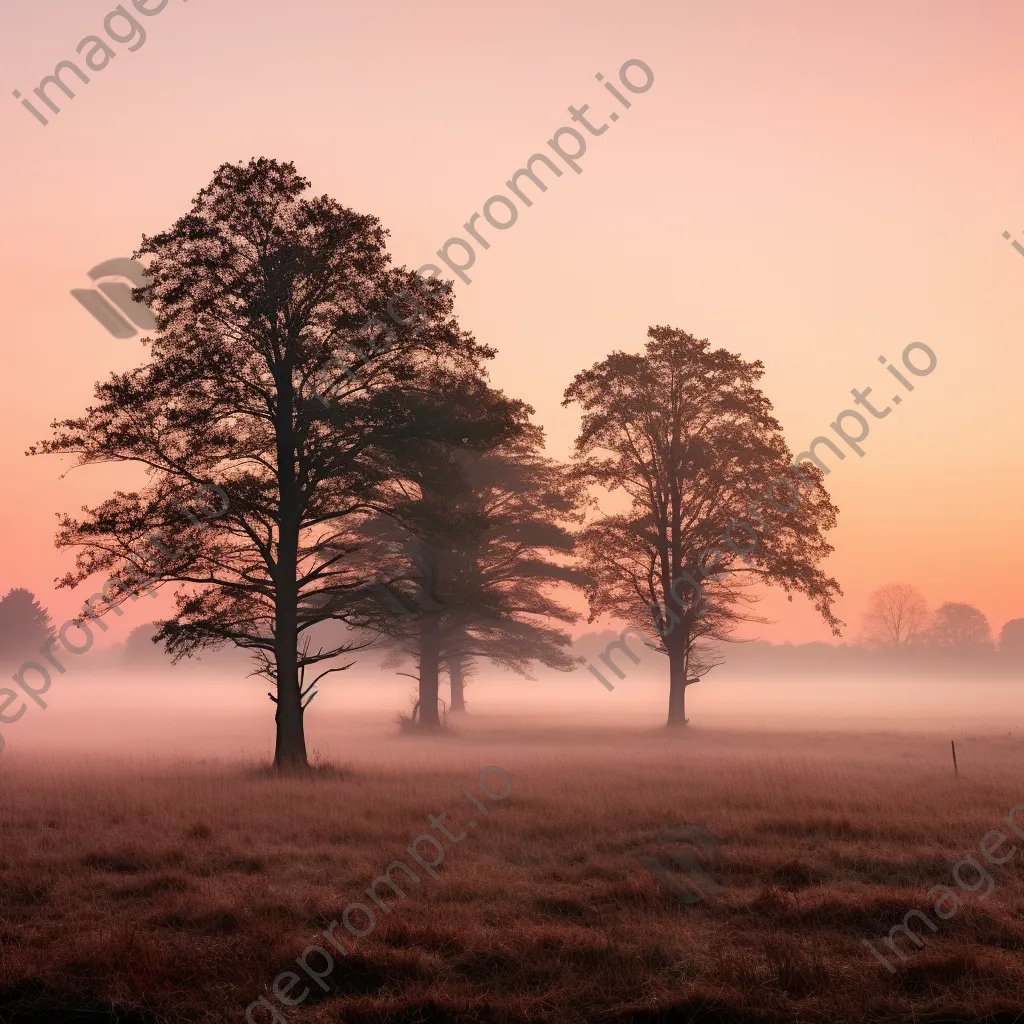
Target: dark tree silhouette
[1011,640]
[523,506]
[959,626]
[25,625]
[258,380]
[485,536]
[714,507]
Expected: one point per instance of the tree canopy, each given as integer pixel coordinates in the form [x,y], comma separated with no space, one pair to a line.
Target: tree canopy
[684,434]
[484,535]
[264,297]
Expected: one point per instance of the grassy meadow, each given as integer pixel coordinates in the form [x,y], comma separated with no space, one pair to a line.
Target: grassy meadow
[154,890]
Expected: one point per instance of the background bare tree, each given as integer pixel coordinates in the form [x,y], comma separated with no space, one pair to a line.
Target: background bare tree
[896,616]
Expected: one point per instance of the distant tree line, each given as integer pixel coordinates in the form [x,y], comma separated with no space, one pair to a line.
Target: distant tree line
[898,620]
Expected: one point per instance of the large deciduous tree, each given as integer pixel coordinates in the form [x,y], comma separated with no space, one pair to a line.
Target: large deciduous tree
[513,560]
[485,536]
[712,504]
[264,298]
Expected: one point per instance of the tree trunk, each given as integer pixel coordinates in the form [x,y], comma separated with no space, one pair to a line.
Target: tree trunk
[290,749]
[430,665]
[458,681]
[677,689]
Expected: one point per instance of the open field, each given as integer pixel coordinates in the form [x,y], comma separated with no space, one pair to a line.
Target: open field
[177,891]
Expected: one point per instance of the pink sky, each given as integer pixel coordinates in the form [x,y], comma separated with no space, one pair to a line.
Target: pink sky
[812,185]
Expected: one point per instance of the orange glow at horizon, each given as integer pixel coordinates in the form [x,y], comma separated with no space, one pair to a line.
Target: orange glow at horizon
[812,187]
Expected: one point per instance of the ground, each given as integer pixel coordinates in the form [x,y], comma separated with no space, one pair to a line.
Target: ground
[146,891]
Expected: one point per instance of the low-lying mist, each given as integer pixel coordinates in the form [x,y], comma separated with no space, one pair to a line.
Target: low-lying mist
[192,711]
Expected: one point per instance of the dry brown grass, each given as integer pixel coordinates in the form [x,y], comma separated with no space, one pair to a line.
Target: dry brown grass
[178,892]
